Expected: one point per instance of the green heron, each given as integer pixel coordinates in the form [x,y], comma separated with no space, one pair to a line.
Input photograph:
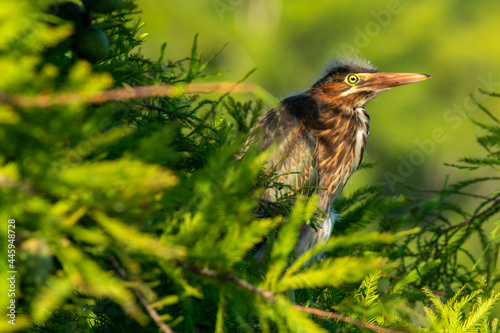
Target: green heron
[322,135]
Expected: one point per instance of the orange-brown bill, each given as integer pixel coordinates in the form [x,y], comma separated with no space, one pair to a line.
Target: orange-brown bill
[378,81]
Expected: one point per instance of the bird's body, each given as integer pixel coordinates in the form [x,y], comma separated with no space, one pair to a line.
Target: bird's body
[322,135]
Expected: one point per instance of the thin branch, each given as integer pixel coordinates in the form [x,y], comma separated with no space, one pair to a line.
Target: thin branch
[337,316]
[441,217]
[491,93]
[270,203]
[485,212]
[129,93]
[450,191]
[23,187]
[461,224]
[269,296]
[397,278]
[149,308]
[178,115]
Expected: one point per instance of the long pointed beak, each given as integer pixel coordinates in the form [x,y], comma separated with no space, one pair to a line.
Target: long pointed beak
[379,81]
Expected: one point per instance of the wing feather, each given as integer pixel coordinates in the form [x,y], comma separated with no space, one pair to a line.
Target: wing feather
[294,156]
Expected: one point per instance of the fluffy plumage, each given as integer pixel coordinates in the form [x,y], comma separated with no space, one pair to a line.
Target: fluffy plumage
[346,65]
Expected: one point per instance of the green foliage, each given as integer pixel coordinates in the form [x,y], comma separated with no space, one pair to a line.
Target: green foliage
[467,314]
[140,212]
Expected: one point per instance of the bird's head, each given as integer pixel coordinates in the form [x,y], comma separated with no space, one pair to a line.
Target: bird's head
[351,83]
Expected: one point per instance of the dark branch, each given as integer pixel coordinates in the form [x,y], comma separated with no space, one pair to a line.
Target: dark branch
[337,316]
[149,308]
[269,296]
[486,212]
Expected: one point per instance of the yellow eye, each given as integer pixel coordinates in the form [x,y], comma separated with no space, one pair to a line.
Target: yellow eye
[352,79]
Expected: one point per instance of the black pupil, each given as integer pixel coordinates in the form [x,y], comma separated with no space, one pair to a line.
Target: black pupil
[353,79]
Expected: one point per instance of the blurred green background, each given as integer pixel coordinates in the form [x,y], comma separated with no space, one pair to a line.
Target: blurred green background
[414,129]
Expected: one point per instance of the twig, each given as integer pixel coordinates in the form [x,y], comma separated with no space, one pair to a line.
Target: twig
[397,278]
[178,115]
[269,296]
[442,218]
[149,308]
[486,211]
[270,203]
[491,93]
[337,316]
[23,187]
[128,93]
